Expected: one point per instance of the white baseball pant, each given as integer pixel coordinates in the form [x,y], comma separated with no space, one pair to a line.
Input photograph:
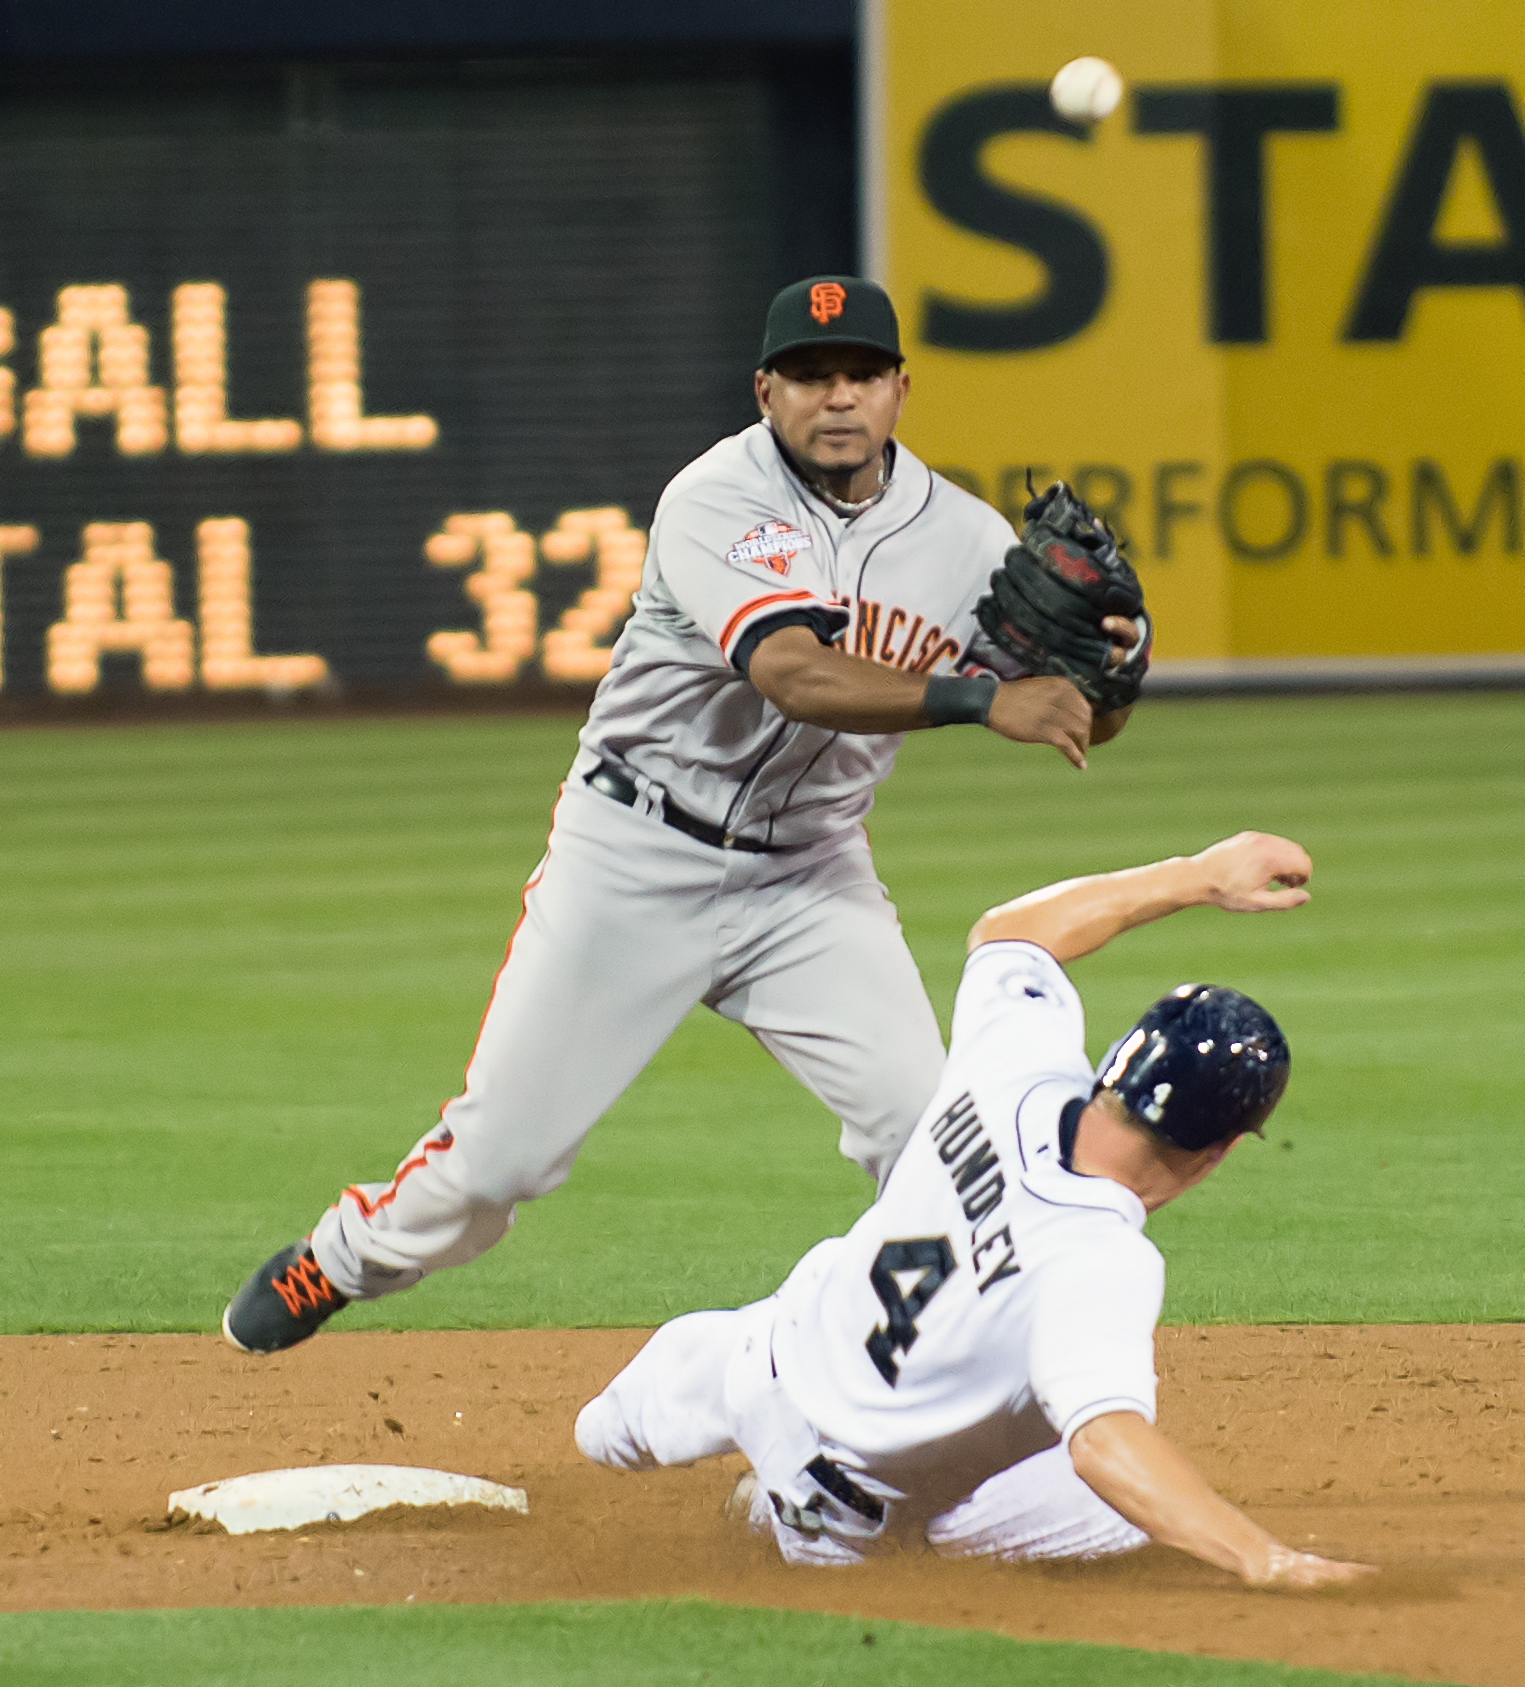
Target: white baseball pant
[627,924]
[704,1385]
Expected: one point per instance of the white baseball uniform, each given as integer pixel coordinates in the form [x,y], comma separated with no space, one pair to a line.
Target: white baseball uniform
[933,1363]
[704,848]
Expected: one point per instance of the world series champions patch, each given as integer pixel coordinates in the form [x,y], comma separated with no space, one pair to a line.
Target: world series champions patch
[774,544]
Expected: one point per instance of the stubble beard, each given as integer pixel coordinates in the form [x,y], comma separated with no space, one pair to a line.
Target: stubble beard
[842,471]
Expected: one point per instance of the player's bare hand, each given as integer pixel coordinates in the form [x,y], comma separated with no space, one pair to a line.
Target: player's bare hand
[1303,1572]
[1124,635]
[1255,873]
[1044,710]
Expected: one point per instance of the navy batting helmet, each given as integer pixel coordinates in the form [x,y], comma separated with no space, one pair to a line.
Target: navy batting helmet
[1203,1065]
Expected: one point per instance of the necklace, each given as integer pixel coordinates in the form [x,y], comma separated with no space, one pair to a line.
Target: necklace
[842,506]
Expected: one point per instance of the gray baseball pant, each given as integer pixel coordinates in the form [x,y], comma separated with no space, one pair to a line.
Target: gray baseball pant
[627,924]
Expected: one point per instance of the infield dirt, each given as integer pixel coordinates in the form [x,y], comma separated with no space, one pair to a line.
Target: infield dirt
[1400,1445]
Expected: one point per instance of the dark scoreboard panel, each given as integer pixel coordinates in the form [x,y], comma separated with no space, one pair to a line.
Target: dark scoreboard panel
[319,377]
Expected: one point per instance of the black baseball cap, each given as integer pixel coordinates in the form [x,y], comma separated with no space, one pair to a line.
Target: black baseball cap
[830,310]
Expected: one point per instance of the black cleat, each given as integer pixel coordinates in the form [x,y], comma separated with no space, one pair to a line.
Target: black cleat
[284,1302]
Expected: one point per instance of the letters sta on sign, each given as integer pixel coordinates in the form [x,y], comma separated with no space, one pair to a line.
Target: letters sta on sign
[1269,315]
[93,362]
[1261,509]
[1234,124]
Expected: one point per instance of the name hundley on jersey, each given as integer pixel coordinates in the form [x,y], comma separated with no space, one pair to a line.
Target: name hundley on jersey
[959,1135]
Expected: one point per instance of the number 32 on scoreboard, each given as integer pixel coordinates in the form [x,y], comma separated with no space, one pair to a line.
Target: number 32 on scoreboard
[572,651]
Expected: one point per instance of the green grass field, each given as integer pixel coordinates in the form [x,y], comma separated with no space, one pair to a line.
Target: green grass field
[678,1644]
[243,965]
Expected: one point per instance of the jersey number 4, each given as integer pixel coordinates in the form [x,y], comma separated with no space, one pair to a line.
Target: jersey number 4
[933,1258]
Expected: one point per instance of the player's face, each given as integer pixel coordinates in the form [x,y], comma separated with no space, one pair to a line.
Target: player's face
[833,406]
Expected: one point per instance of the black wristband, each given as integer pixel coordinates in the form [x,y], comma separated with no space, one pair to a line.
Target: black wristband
[952,700]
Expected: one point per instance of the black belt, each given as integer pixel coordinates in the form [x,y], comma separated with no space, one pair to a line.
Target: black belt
[612,782]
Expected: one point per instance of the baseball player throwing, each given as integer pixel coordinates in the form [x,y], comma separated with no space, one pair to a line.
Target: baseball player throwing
[811,592]
[975,1358]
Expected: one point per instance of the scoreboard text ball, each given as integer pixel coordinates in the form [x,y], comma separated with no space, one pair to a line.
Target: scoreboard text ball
[368,377]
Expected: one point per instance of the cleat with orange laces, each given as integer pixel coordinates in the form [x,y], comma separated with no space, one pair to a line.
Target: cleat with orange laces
[284,1302]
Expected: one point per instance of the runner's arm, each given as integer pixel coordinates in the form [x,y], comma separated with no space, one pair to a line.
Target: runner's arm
[1130,1465]
[1252,872]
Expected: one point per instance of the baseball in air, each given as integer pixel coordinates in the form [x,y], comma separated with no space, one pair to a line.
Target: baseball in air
[1086,90]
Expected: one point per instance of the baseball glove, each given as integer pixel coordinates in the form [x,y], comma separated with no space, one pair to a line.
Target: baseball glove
[1046,603]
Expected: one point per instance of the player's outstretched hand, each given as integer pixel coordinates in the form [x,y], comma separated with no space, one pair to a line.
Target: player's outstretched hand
[1303,1572]
[1045,710]
[1255,873]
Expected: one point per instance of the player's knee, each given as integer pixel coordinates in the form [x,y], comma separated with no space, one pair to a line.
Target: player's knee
[604,1436]
[875,1135]
[591,1431]
[876,1144]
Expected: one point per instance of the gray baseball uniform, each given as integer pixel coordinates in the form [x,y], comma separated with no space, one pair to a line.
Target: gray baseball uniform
[704,848]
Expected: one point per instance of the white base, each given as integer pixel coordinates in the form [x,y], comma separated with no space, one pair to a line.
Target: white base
[334,1493]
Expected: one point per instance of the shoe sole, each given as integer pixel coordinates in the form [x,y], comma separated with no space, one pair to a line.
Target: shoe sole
[258,1352]
[227,1332]
[738,1507]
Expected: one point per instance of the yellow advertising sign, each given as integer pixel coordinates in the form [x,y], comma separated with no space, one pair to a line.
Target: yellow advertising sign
[1269,316]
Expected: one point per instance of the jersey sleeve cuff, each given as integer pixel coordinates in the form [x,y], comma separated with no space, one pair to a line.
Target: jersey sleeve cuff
[769,609]
[825,625]
[987,954]
[1100,1409]
[1015,943]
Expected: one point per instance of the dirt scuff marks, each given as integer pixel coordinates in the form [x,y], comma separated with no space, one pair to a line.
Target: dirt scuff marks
[1401,1445]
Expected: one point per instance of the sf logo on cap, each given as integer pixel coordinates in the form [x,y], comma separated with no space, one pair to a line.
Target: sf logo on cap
[826,301]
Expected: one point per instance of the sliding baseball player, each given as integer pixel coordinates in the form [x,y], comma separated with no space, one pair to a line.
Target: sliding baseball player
[811,592]
[975,1358]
